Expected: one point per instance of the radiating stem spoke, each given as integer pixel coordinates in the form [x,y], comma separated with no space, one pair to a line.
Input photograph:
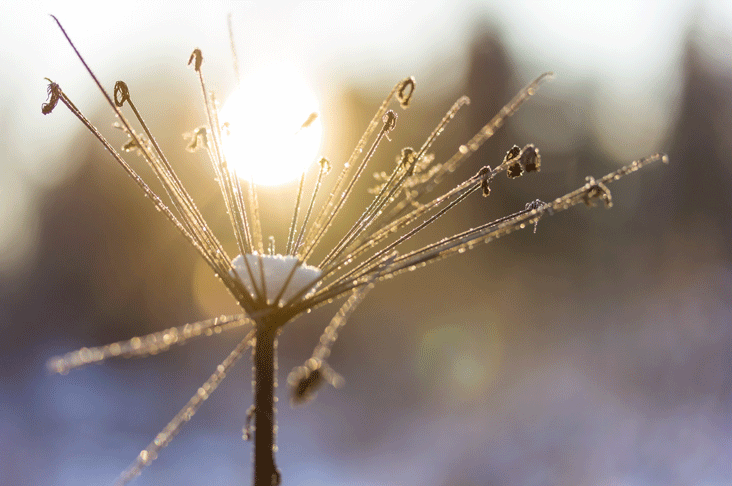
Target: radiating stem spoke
[149,344]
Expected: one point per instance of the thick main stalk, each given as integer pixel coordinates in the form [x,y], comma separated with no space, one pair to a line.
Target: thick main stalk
[265,367]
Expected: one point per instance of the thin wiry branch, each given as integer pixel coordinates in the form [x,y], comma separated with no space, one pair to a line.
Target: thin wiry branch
[385,197]
[149,193]
[472,145]
[210,247]
[389,123]
[324,169]
[229,183]
[149,344]
[293,225]
[158,162]
[587,194]
[304,380]
[480,180]
[403,90]
[150,453]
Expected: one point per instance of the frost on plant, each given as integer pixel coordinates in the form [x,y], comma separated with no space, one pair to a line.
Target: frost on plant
[273,289]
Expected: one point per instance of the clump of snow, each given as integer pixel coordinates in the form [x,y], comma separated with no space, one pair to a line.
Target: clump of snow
[276,270]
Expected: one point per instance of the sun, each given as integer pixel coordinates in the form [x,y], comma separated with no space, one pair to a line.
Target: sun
[272,131]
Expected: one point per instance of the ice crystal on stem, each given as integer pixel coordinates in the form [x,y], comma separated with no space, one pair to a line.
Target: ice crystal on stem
[274,289]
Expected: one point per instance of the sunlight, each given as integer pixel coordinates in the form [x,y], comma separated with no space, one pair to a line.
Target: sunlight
[272,135]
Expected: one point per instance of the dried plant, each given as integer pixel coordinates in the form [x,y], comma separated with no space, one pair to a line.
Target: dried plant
[271,289]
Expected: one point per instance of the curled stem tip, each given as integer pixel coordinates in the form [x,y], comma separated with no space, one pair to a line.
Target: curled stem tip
[405,91]
[305,380]
[198,56]
[121,93]
[54,94]
[462,101]
[549,75]
[324,165]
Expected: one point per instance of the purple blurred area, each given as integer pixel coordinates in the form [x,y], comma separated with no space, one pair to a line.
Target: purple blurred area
[597,351]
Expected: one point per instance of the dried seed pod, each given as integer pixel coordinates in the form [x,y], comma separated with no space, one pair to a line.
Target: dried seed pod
[305,381]
[513,168]
[596,190]
[512,153]
[324,165]
[389,119]
[530,158]
[407,159]
[198,139]
[130,146]
[486,175]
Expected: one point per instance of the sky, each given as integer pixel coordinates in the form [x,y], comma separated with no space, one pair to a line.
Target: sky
[625,54]
[627,51]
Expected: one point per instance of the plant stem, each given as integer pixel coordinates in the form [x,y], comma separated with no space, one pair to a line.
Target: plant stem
[265,366]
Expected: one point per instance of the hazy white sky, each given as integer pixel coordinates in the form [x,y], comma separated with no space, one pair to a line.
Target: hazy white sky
[628,49]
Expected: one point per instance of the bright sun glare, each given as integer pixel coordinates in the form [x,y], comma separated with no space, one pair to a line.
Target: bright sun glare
[267,139]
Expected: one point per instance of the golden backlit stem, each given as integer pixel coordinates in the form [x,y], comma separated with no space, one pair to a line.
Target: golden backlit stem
[479,181]
[389,123]
[291,235]
[149,193]
[256,220]
[237,212]
[405,167]
[473,144]
[234,57]
[324,169]
[399,91]
[149,344]
[182,201]
[406,236]
[483,234]
[210,249]
[150,453]
[233,192]
[384,198]
[366,243]
[586,194]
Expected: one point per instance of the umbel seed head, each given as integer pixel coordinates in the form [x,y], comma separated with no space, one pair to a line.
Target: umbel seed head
[274,289]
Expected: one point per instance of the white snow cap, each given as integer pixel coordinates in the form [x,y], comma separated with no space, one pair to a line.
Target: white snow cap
[276,270]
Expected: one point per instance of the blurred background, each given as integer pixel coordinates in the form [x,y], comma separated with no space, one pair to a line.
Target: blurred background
[597,351]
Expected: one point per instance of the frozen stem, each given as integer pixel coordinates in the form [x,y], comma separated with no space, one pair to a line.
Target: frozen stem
[144,345]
